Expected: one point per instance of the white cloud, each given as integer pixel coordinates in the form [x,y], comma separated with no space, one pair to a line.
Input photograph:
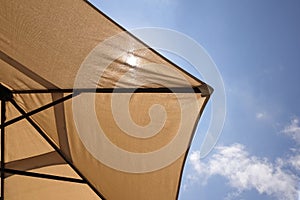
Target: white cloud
[294,161]
[293,130]
[260,115]
[233,195]
[263,115]
[246,172]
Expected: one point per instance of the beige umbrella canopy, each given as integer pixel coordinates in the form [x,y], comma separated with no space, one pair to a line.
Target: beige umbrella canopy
[122,133]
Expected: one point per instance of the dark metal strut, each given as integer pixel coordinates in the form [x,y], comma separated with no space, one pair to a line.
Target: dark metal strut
[115,90]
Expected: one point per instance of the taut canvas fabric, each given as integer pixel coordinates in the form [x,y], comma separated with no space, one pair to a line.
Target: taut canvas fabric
[139,108]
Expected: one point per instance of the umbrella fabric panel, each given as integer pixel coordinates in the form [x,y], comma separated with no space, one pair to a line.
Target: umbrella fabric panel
[14,79]
[21,187]
[22,141]
[50,40]
[162,183]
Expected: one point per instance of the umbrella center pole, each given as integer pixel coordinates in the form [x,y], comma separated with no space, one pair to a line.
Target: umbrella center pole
[5,95]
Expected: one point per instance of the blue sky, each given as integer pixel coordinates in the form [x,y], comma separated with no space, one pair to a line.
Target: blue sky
[256,47]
